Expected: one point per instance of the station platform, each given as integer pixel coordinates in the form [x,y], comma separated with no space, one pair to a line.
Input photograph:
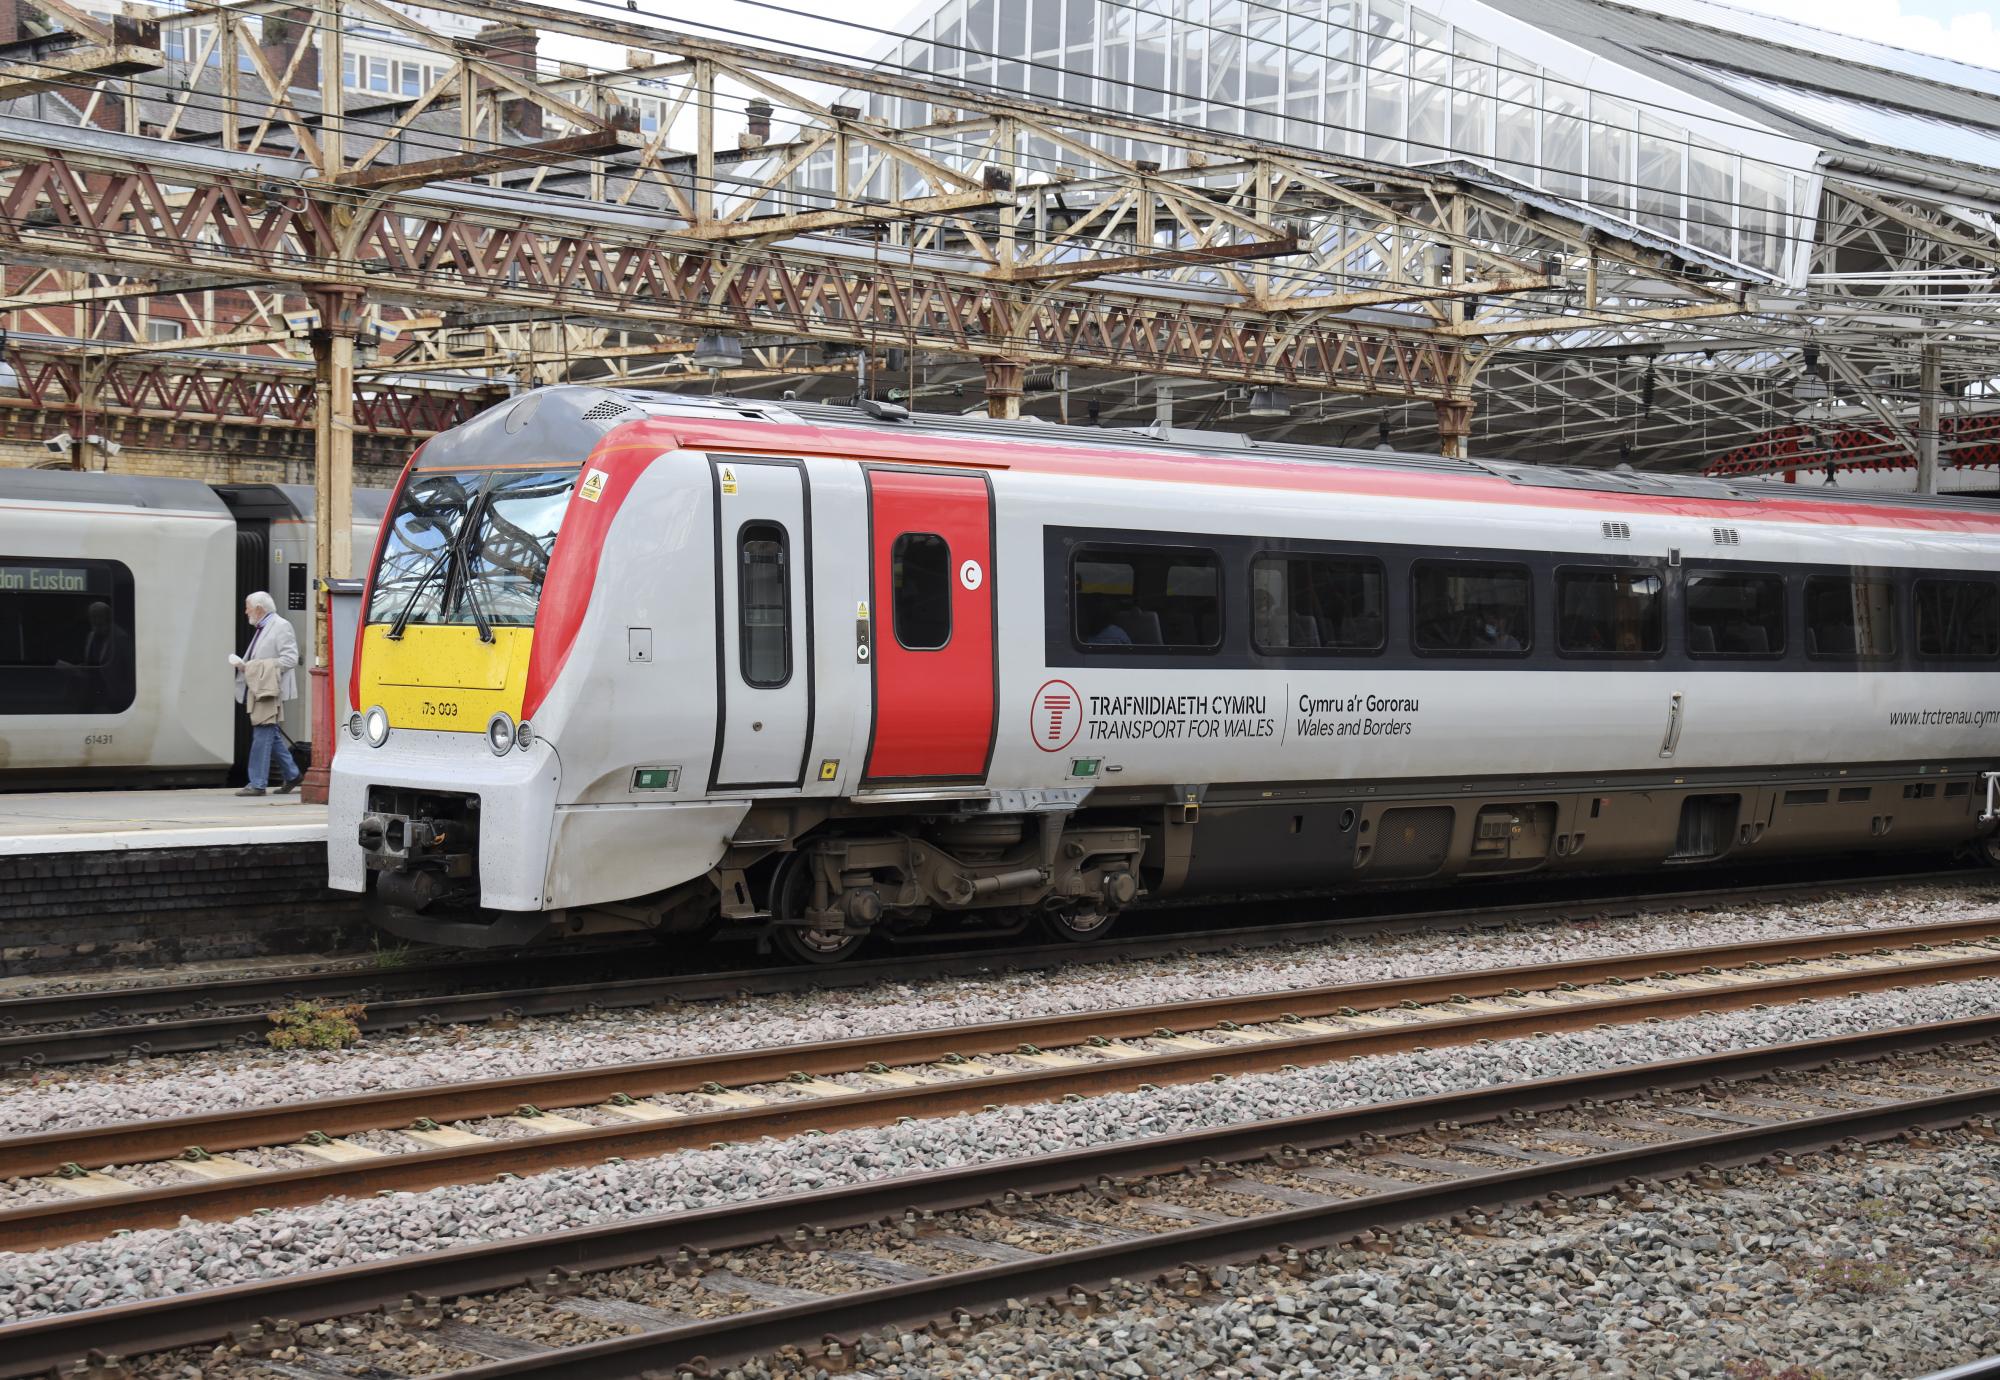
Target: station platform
[113,878]
[113,821]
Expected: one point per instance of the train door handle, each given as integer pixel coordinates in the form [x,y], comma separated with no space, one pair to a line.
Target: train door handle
[1675,707]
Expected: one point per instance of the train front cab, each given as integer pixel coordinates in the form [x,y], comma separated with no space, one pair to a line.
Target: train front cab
[436,760]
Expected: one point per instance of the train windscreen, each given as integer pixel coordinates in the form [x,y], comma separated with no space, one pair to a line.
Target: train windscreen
[470,547]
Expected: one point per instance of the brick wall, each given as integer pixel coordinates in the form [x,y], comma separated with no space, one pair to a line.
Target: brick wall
[73,911]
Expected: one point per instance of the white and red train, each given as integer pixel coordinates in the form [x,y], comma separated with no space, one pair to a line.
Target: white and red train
[652,661]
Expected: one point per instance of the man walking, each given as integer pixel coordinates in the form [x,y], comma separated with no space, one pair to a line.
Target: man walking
[265,680]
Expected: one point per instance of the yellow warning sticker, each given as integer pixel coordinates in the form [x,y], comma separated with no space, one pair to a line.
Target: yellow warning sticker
[593,485]
[728,480]
[829,768]
[861,609]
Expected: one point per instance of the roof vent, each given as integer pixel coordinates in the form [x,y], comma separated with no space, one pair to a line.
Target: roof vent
[1726,536]
[1618,531]
[882,411]
[605,411]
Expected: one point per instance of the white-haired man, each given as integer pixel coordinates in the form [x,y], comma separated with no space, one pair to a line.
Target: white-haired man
[266,677]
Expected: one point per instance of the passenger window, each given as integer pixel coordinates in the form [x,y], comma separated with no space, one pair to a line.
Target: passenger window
[65,636]
[1159,599]
[920,578]
[1609,613]
[1483,610]
[764,605]
[1850,618]
[1958,618]
[1307,604]
[1735,615]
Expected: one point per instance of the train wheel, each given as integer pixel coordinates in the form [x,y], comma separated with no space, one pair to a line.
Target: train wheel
[1989,850]
[791,892]
[1078,925]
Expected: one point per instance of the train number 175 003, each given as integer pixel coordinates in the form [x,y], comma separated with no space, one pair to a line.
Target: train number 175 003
[438,709]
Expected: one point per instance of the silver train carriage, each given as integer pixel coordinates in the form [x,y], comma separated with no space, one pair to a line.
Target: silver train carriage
[649,661]
[121,597]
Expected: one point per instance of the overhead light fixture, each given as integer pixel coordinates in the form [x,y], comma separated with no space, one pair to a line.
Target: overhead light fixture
[59,444]
[1265,402]
[718,351]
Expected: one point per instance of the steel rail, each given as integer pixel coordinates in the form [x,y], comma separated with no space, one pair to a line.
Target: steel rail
[760,1332]
[41,1345]
[129,1142]
[55,1223]
[215,1029]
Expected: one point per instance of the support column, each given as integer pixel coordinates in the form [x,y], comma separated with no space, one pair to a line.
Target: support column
[333,503]
[1003,389]
[1927,420]
[1454,423]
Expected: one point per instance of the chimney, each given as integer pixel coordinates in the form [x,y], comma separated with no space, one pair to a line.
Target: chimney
[511,46]
[279,36]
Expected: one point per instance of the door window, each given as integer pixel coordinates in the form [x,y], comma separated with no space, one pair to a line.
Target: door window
[764,605]
[920,585]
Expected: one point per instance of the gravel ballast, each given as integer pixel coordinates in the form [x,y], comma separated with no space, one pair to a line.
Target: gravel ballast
[1859,1267]
[194,1255]
[140,1089]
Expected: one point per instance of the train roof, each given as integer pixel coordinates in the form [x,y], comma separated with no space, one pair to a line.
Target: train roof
[880,431]
[109,490]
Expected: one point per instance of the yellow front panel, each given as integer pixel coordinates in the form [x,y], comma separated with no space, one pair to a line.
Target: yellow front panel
[444,677]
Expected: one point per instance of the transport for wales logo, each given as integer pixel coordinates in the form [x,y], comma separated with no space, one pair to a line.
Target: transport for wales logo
[1055,716]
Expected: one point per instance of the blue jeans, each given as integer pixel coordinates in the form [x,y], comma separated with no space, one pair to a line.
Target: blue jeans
[264,742]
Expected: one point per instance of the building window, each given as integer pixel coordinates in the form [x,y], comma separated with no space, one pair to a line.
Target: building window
[1309,604]
[1958,619]
[920,580]
[764,605]
[378,74]
[1850,618]
[159,332]
[1467,608]
[411,77]
[1609,613]
[1735,615]
[349,68]
[1156,598]
[66,643]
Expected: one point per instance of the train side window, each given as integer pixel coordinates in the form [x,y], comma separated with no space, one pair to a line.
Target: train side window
[1735,615]
[66,636]
[1846,617]
[1470,608]
[1314,604]
[1609,613]
[1165,599]
[764,605]
[920,580]
[1959,619]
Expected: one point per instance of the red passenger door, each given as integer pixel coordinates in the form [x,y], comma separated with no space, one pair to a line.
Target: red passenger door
[931,551]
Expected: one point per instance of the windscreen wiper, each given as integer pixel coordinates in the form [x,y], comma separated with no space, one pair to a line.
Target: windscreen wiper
[442,564]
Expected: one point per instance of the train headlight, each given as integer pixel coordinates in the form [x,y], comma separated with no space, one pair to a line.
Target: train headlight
[500,734]
[524,736]
[354,727]
[375,726]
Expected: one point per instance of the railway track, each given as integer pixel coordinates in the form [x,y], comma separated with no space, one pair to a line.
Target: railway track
[676,1104]
[1171,1207]
[81,1027]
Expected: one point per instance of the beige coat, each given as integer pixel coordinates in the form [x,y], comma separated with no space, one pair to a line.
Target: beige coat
[262,683]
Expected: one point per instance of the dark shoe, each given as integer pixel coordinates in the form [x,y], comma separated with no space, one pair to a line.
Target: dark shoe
[251,790]
[288,787]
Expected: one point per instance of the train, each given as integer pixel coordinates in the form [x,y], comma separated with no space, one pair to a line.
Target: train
[121,597]
[641,661]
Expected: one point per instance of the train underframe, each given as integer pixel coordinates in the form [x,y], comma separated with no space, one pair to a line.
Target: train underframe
[818,878]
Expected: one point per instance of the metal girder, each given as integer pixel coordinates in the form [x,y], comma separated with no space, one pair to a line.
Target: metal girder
[241,395]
